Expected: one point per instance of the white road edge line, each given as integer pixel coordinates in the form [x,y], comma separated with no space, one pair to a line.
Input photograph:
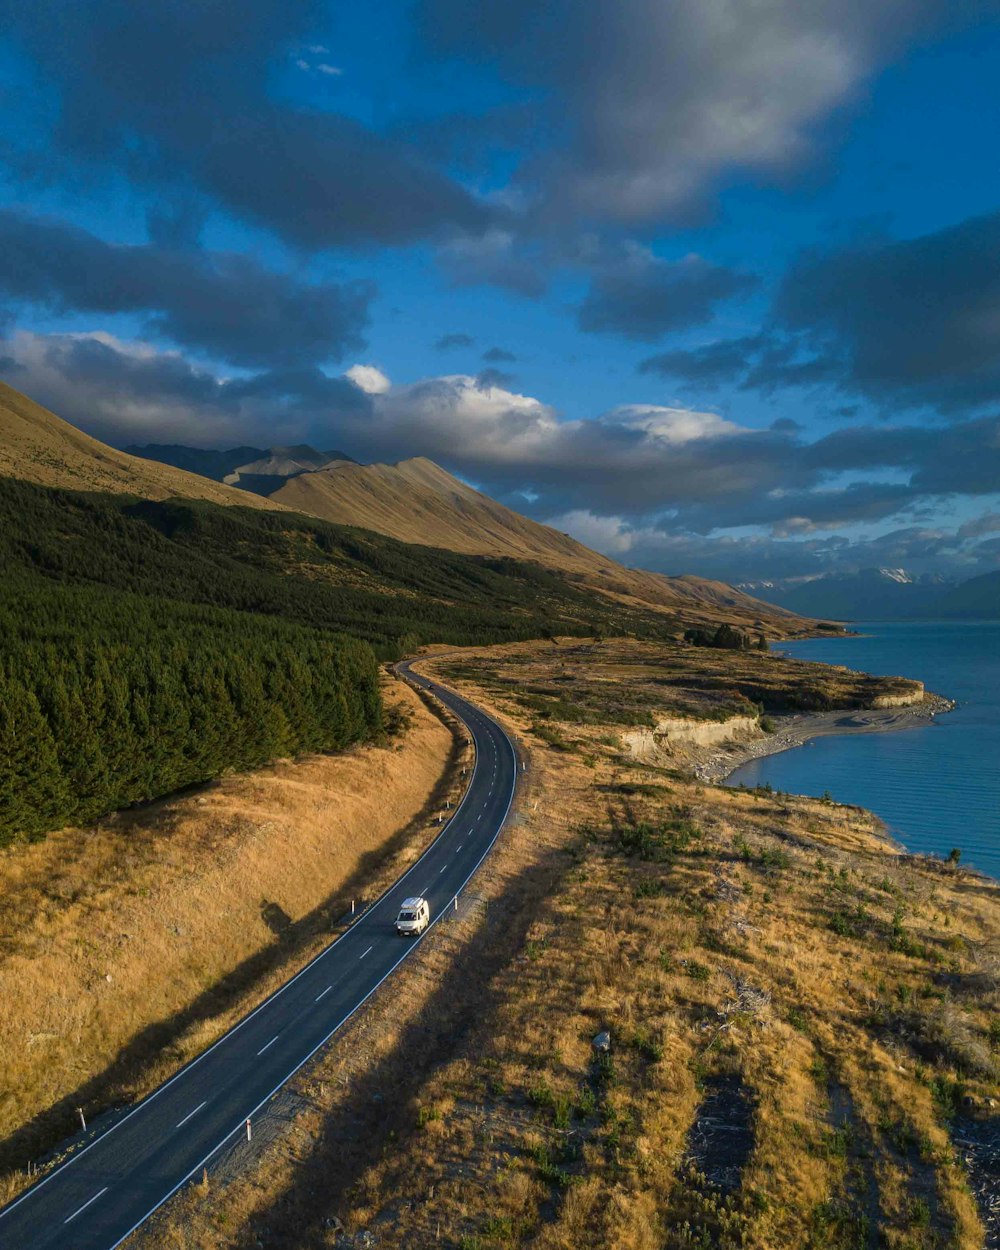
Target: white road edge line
[246,1019]
[367,952]
[270,1043]
[326,991]
[319,1046]
[85,1205]
[337,1027]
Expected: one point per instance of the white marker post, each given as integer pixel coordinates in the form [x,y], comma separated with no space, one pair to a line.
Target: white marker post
[83,1121]
[249,1130]
[456,902]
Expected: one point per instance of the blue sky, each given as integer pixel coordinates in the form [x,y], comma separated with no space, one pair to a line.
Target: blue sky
[713,285]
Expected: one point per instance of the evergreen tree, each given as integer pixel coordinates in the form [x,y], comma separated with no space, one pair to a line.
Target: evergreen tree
[33,794]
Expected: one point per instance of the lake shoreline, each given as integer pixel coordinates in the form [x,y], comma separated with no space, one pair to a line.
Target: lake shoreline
[796,730]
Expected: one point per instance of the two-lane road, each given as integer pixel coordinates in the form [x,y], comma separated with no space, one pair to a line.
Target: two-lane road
[106,1190]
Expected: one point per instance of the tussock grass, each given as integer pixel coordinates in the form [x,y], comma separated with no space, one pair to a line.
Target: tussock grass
[127,948]
[774,947]
[616,683]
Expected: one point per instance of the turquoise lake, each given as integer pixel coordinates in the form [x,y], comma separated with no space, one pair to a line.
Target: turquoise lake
[936,787]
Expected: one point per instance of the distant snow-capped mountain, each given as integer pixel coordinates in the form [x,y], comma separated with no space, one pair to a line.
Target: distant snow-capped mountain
[870,593]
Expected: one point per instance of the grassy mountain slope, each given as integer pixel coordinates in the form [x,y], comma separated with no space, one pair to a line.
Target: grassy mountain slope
[304,570]
[150,644]
[37,446]
[416,501]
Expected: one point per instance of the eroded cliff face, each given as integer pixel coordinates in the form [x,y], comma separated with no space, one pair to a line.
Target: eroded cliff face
[905,699]
[675,737]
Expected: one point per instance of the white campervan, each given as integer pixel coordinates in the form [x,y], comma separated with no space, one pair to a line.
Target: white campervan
[414,917]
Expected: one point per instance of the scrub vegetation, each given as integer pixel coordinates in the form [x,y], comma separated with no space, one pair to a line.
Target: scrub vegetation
[390,594]
[677,1016]
[128,947]
[152,645]
[632,683]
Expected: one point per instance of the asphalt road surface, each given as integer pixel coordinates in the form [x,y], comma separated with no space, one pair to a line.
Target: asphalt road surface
[106,1190]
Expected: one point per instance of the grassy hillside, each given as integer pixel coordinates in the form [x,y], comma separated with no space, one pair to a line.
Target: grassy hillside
[304,570]
[128,947]
[416,501]
[153,644]
[802,1045]
[37,446]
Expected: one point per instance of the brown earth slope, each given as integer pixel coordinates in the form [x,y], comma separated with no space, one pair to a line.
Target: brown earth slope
[416,501]
[37,446]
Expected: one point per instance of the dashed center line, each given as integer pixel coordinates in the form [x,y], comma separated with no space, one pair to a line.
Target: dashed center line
[181,1123]
[326,991]
[85,1205]
[441,870]
[367,952]
[270,1043]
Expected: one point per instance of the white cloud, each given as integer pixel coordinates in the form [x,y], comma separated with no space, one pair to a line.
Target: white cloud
[607,534]
[333,70]
[652,102]
[641,482]
[670,425]
[369,379]
[634,458]
[124,391]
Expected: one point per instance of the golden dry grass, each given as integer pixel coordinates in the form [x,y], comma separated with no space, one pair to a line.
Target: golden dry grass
[127,948]
[634,683]
[781,942]
[37,446]
[416,501]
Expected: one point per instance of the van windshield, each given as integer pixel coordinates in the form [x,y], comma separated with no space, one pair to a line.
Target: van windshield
[407,915]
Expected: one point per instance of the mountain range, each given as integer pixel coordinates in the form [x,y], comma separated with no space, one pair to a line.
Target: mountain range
[37,446]
[262,470]
[416,501]
[884,594]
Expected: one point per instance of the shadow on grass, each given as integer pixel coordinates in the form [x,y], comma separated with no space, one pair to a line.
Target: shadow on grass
[53,1127]
[378,1114]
